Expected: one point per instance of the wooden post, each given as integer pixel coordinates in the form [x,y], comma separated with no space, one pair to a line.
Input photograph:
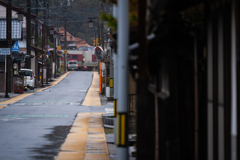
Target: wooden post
[142,85]
[100,77]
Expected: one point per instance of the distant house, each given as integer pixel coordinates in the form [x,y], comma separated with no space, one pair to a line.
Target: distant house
[72,42]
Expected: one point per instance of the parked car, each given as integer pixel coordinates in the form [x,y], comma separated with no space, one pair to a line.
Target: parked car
[72,65]
[29,78]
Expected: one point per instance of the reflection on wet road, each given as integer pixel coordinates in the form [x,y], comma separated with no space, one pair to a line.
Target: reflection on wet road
[36,126]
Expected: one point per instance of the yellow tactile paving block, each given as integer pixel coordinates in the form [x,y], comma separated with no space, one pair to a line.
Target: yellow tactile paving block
[76,136]
[92,98]
[86,140]
[78,129]
[70,155]
[74,146]
[96,157]
[82,120]
[95,130]
[2,106]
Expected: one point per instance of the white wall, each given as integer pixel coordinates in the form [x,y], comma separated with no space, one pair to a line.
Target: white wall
[3,12]
[14,15]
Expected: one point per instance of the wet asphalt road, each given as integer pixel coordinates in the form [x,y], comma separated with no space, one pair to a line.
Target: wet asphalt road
[35,127]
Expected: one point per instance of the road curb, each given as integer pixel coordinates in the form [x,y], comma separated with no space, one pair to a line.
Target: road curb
[15,99]
[92,98]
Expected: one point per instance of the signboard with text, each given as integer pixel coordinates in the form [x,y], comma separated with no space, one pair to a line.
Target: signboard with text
[5,51]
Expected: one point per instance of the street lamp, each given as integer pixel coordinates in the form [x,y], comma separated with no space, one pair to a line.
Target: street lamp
[55,35]
[52,31]
[20,16]
[90,23]
[62,36]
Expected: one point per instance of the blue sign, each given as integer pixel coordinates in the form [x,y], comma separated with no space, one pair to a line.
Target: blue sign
[15,47]
[5,51]
[48,53]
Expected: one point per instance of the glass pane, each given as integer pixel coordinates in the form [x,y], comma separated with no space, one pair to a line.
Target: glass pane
[74,56]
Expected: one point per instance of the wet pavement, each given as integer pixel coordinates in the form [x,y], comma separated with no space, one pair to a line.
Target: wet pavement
[36,126]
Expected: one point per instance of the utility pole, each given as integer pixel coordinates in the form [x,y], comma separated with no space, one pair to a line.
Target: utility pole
[104,65]
[46,41]
[8,59]
[99,34]
[55,58]
[29,32]
[142,86]
[42,52]
[36,44]
[43,38]
[102,29]
[115,74]
[49,28]
[65,43]
[95,39]
[122,50]
[55,52]
[111,73]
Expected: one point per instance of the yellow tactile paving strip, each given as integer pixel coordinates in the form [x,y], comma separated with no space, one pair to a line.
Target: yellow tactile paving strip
[2,106]
[92,98]
[21,96]
[86,140]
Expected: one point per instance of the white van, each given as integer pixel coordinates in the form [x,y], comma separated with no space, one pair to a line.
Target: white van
[29,78]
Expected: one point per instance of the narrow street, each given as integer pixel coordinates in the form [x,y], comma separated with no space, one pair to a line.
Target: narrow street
[37,126]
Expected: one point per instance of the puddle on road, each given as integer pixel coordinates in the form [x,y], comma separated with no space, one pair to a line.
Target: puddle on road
[56,138]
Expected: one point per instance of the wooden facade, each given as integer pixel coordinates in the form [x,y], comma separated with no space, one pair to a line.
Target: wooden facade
[192,83]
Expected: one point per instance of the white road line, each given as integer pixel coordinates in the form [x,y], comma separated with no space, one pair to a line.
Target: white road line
[36,104]
[109,110]
[20,104]
[10,119]
[77,104]
[56,103]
